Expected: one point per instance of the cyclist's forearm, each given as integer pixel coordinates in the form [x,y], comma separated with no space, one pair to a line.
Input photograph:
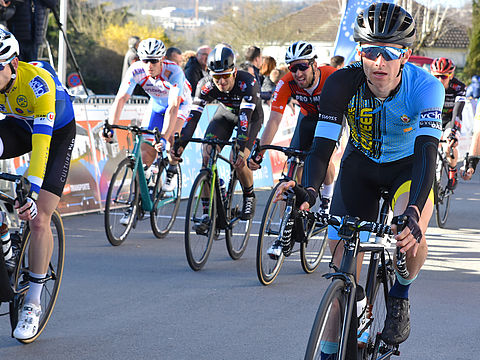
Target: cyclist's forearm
[117,108]
[316,163]
[423,172]
[271,128]
[457,112]
[190,125]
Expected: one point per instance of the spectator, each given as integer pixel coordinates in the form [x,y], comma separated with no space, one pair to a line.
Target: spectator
[7,10]
[131,56]
[473,90]
[196,67]
[247,67]
[268,87]
[187,55]
[174,54]
[337,61]
[29,25]
[253,55]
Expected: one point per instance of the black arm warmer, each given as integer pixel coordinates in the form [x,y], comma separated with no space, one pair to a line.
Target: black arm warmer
[457,112]
[242,129]
[423,172]
[189,128]
[316,163]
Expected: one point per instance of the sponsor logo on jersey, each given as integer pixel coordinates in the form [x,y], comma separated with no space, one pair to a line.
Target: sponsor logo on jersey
[39,86]
[431,114]
[167,74]
[22,101]
[329,118]
[3,108]
[47,119]
[431,124]
[243,121]
[405,119]
[242,85]
[20,111]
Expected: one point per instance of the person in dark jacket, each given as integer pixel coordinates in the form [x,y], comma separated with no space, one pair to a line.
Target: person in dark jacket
[29,25]
[131,55]
[253,55]
[196,67]
[268,86]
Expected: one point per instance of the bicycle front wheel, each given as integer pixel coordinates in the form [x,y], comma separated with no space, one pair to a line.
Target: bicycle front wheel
[53,278]
[269,267]
[166,204]
[311,251]
[200,222]
[121,204]
[238,231]
[328,335]
[442,198]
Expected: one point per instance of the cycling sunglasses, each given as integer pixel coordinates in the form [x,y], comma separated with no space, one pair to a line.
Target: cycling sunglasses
[222,76]
[300,66]
[441,76]
[388,52]
[3,65]
[153,61]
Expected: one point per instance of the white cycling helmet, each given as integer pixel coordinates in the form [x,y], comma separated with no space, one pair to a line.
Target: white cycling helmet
[8,46]
[151,49]
[300,50]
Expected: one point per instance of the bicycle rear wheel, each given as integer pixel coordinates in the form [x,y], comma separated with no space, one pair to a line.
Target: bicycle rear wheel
[51,286]
[267,267]
[121,204]
[311,251]
[238,231]
[328,335]
[166,203]
[200,222]
[442,198]
[376,313]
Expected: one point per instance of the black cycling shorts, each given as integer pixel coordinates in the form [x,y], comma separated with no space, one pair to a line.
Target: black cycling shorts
[224,121]
[17,141]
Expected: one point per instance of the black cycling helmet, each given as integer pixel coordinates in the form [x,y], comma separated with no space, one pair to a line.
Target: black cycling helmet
[221,59]
[385,23]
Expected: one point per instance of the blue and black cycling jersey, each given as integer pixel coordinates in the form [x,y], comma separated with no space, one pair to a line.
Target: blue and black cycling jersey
[384,130]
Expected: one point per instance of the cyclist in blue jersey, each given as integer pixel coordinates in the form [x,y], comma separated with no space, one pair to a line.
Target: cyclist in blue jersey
[39,119]
[393,109]
[170,94]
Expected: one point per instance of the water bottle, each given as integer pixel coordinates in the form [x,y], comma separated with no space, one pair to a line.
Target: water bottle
[223,190]
[5,236]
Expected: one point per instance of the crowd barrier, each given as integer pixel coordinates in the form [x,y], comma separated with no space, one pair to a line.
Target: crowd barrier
[93,160]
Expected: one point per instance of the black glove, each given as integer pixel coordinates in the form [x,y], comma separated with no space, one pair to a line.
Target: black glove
[411,218]
[304,195]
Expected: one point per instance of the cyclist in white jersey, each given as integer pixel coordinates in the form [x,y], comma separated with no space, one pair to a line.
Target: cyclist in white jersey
[170,96]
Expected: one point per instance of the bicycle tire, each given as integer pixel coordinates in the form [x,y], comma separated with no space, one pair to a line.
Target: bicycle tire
[442,194]
[121,191]
[268,268]
[332,311]
[237,234]
[198,240]
[311,251]
[377,309]
[51,287]
[166,203]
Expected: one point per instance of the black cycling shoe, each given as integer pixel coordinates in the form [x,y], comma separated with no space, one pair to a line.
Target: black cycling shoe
[397,323]
[248,209]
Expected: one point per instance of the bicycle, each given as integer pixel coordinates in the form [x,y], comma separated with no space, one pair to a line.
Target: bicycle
[130,196]
[14,286]
[441,192]
[311,235]
[209,211]
[335,329]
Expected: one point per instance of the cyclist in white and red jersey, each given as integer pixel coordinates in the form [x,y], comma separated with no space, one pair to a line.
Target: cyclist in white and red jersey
[170,93]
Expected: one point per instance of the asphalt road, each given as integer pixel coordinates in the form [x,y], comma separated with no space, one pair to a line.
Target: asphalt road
[141,300]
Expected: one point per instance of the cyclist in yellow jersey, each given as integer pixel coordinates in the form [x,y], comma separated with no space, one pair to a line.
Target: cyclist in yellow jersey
[38,118]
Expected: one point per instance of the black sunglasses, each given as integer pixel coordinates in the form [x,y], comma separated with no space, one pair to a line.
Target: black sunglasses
[299,66]
[153,61]
[443,77]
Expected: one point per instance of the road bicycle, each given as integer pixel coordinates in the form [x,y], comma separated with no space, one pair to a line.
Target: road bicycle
[336,326]
[131,195]
[310,235]
[209,211]
[14,285]
[441,192]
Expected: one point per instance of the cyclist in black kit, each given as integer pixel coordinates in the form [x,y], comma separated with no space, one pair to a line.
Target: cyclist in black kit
[239,100]
[393,109]
[443,69]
